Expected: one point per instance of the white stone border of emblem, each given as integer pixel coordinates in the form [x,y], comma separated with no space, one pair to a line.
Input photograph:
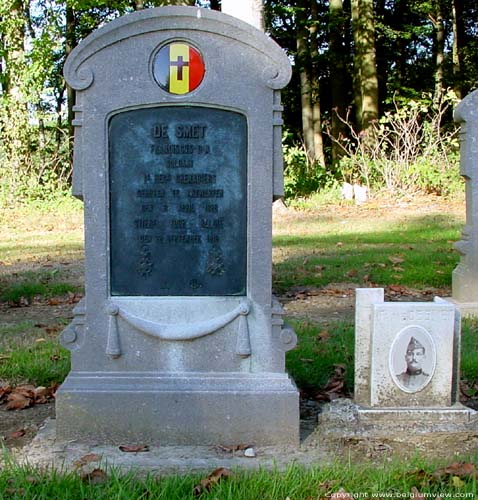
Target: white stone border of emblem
[397,363]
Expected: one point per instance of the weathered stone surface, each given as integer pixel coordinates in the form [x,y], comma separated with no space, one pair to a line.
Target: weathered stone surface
[178,339]
[407,353]
[465,275]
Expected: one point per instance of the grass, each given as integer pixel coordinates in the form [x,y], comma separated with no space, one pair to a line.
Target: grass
[31,353]
[315,250]
[310,249]
[396,480]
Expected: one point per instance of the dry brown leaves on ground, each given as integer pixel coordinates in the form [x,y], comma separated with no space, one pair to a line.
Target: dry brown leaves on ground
[335,387]
[214,478]
[134,448]
[25,396]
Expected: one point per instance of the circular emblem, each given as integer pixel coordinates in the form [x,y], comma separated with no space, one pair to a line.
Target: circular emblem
[178,68]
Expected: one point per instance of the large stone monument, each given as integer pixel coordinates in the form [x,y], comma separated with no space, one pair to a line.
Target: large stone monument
[178,159]
[465,276]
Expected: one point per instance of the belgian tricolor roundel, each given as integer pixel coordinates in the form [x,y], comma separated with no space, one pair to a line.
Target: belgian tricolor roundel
[178,68]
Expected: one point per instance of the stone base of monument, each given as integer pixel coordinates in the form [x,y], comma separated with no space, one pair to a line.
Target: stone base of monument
[179,409]
[346,419]
[467,309]
[46,451]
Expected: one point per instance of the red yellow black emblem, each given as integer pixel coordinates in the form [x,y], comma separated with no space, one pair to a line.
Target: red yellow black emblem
[178,68]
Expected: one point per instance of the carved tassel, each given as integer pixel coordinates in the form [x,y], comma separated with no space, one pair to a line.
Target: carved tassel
[243,348]
[113,347]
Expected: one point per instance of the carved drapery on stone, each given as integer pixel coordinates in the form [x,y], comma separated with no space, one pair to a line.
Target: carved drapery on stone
[179,332]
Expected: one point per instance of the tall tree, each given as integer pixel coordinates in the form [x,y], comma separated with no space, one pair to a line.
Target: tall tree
[338,56]
[14,116]
[307,62]
[365,65]
[458,39]
[439,25]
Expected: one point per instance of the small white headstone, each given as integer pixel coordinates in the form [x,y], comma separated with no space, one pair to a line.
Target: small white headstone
[412,359]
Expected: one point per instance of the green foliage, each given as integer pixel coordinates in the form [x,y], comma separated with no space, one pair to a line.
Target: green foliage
[407,150]
[301,177]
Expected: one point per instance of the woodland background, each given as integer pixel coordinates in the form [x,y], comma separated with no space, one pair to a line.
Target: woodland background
[373,88]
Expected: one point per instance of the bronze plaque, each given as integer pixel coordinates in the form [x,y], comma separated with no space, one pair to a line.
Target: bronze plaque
[178,202]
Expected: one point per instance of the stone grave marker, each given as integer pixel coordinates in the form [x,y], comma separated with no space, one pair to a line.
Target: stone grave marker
[407,357]
[177,158]
[407,372]
[465,275]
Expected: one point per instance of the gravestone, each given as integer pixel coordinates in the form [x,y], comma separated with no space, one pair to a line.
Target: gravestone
[177,158]
[407,353]
[407,359]
[465,275]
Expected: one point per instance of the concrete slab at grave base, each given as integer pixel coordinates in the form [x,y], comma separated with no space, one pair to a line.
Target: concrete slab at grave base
[46,451]
[343,417]
[467,309]
[174,409]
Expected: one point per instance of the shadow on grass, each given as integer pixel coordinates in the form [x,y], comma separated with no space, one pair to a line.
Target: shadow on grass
[417,253]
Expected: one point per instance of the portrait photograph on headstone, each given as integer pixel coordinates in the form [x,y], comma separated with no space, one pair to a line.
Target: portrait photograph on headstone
[412,358]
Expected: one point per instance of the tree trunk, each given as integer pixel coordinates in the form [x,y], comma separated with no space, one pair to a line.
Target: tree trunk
[365,62]
[250,11]
[15,123]
[315,88]
[303,62]
[439,52]
[337,58]
[458,35]
[70,43]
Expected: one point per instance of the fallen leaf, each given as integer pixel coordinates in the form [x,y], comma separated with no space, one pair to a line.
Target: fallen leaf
[17,401]
[213,478]
[134,448]
[96,476]
[232,448]
[54,329]
[461,469]
[5,390]
[457,482]
[18,434]
[352,273]
[86,459]
[395,260]
[323,336]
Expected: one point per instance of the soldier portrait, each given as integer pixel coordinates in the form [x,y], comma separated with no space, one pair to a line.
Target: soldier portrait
[412,359]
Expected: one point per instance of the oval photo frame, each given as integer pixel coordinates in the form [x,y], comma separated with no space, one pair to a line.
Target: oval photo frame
[397,364]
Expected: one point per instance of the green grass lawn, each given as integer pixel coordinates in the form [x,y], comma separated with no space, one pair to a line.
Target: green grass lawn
[338,482]
[311,248]
[365,246]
